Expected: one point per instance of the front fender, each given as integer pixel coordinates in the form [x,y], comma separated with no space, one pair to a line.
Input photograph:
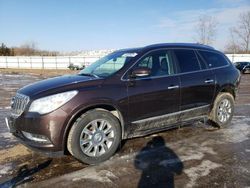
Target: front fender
[103,103]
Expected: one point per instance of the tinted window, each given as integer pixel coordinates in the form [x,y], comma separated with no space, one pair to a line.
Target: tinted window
[146,62]
[187,60]
[213,59]
[159,62]
[201,61]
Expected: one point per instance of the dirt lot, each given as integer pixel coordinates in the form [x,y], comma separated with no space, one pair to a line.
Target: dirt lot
[191,156]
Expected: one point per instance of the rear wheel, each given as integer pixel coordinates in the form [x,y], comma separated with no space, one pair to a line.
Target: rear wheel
[223,109]
[94,137]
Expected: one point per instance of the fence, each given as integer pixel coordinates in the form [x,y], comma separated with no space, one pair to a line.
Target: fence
[62,62]
[44,62]
[238,57]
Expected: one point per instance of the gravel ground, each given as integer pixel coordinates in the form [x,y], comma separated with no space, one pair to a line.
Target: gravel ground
[191,156]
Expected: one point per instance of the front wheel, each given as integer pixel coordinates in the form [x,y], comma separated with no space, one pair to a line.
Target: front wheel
[223,109]
[94,137]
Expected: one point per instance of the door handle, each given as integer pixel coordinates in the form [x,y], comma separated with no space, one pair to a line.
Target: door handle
[173,87]
[209,81]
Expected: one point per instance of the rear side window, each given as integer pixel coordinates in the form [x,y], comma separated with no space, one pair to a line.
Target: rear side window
[213,59]
[187,60]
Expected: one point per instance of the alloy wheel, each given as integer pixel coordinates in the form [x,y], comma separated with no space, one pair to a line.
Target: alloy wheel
[97,138]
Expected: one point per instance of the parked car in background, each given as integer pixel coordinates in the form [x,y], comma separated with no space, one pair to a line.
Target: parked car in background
[243,66]
[246,69]
[75,67]
[128,93]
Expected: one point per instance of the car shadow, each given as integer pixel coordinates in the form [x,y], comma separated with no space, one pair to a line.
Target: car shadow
[158,163]
[24,175]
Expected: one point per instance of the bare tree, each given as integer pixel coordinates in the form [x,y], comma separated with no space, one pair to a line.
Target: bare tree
[232,46]
[29,48]
[206,30]
[243,31]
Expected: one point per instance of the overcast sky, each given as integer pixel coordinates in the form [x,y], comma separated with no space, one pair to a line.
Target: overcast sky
[69,25]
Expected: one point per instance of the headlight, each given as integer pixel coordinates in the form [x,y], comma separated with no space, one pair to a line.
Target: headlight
[48,104]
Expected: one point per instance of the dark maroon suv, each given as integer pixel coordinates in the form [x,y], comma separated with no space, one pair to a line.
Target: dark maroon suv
[128,93]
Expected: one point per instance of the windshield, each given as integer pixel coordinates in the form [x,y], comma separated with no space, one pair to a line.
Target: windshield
[109,64]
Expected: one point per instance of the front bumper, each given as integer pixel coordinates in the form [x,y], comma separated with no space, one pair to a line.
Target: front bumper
[50,126]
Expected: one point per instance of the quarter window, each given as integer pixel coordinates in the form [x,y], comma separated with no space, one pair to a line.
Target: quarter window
[187,60]
[213,59]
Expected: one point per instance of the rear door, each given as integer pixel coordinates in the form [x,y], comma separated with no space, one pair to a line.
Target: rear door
[218,63]
[196,80]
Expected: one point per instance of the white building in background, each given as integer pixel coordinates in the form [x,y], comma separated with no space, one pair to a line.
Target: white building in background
[89,53]
[82,58]
[95,53]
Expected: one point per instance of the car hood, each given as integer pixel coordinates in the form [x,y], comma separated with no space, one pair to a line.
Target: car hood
[59,84]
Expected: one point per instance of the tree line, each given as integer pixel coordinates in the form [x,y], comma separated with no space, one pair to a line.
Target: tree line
[239,35]
[5,51]
[28,49]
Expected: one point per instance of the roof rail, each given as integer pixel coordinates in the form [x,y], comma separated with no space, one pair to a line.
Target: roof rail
[205,45]
[180,45]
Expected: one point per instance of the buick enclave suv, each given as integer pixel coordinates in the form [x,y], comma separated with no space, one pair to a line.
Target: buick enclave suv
[128,93]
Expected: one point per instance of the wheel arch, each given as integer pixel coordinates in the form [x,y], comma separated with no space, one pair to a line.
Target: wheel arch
[224,89]
[107,107]
[228,89]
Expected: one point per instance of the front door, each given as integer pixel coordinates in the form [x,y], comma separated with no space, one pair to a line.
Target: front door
[154,96]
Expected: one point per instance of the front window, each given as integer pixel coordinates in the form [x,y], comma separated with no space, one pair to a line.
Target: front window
[159,62]
[109,64]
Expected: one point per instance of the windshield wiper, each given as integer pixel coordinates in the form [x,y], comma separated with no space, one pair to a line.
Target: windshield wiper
[89,74]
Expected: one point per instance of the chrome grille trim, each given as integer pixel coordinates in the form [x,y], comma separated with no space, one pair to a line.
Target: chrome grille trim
[18,104]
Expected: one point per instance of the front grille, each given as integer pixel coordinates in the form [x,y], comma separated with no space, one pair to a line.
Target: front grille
[18,104]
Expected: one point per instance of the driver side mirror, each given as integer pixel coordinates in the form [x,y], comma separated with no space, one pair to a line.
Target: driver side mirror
[140,72]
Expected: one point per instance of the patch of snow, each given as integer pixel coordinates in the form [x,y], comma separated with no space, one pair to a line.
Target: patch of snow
[103,176]
[5,169]
[194,173]
[239,132]
[6,135]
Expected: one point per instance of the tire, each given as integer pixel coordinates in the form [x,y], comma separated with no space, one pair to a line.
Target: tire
[223,110]
[84,131]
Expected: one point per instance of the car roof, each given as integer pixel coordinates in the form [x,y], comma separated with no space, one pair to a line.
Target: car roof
[168,45]
[179,45]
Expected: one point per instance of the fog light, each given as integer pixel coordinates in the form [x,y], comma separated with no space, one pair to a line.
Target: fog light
[36,137]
